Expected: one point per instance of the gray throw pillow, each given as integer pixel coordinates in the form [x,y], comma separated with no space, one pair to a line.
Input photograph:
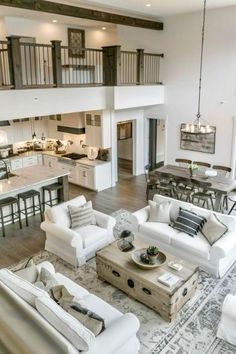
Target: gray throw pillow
[188,222]
[213,229]
[82,215]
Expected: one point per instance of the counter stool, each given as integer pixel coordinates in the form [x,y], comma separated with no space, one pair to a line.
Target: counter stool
[55,187]
[11,202]
[30,195]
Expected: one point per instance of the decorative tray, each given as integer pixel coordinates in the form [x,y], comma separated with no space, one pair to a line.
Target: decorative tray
[160,259]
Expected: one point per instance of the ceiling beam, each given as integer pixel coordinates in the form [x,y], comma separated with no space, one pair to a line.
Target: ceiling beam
[80,12]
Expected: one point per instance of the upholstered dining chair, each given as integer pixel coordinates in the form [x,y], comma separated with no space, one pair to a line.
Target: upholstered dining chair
[202,193]
[183,162]
[202,166]
[151,180]
[182,188]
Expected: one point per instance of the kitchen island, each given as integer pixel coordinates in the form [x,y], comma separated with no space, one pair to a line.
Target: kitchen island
[34,177]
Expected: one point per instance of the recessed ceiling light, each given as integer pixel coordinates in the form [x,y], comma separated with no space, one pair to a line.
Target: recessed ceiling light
[104,28]
[54,21]
[148,5]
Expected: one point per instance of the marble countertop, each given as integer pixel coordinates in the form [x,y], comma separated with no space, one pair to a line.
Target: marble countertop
[29,177]
[84,160]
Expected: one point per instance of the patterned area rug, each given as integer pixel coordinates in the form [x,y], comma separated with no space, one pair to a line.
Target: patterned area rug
[193,331]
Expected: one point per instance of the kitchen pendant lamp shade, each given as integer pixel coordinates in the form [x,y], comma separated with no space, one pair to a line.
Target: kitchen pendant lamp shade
[199,125]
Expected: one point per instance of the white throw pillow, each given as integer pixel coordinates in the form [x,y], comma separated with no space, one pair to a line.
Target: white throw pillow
[27,291]
[159,212]
[81,337]
[213,229]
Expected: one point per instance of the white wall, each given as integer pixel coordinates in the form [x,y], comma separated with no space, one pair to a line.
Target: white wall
[180,43]
[44,32]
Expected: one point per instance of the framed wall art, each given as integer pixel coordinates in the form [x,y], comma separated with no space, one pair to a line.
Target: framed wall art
[76,41]
[198,142]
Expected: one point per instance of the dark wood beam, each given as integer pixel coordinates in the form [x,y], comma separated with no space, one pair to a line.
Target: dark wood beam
[80,12]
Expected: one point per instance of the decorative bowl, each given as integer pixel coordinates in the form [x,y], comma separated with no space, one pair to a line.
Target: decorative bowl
[160,259]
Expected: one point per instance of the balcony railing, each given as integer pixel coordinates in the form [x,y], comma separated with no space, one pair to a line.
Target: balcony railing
[31,65]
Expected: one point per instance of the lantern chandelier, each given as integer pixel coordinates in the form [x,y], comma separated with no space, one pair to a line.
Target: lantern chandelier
[199,126]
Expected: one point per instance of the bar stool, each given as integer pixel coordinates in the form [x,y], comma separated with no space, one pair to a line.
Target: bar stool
[30,195]
[55,187]
[11,202]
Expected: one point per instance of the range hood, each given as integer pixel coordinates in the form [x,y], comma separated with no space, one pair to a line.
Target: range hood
[70,130]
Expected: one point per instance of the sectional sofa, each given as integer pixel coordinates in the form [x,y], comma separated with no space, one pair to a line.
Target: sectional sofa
[216,259]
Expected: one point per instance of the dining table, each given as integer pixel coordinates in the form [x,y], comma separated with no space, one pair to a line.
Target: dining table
[220,185]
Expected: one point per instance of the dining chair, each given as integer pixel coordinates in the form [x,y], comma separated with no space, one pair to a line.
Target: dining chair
[151,180]
[224,171]
[182,187]
[183,162]
[164,185]
[202,166]
[202,193]
[232,198]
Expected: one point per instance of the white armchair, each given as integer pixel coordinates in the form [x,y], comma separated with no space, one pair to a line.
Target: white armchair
[76,246]
[226,329]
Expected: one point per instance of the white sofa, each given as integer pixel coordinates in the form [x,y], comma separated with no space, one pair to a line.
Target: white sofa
[215,259]
[23,327]
[76,246]
[227,325]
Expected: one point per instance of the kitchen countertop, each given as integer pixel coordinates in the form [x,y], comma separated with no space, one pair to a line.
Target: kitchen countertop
[28,177]
[84,160]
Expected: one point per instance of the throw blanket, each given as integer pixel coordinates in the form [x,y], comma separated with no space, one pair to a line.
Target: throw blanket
[77,309]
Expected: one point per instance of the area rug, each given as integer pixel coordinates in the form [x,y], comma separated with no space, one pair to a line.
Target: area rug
[193,331]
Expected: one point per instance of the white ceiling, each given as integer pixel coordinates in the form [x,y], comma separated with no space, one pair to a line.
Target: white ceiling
[158,8]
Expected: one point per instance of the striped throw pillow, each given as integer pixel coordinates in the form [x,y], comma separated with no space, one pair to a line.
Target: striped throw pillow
[188,222]
[82,215]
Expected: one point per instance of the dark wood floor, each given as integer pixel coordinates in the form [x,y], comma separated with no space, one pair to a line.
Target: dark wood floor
[125,168]
[19,244]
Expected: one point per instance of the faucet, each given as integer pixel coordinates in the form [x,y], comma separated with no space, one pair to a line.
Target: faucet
[7,168]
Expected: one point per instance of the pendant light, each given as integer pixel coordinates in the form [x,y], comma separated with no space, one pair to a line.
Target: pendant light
[199,125]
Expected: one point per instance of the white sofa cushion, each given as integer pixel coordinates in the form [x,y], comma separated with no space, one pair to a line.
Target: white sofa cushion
[196,245]
[175,205]
[73,288]
[59,214]
[27,291]
[81,337]
[158,231]
[91,234]
[101,308]
[159,212]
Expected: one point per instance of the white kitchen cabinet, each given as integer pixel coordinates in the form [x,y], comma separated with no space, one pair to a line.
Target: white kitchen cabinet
[30,161]
[98,129]
[73,170]
[16,164]
[86,176]
[50,161]
[97,177]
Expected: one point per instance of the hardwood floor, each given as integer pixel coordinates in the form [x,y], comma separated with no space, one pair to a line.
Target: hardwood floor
[129,194]
[125,168]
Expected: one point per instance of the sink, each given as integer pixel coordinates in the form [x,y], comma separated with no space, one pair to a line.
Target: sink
[4,176]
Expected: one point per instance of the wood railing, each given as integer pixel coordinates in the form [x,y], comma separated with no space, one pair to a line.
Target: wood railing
[31,65]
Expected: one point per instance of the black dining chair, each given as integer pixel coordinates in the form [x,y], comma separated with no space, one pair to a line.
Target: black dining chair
[183,162]
[164,185]
[202,166]
[151,180]
[182,188]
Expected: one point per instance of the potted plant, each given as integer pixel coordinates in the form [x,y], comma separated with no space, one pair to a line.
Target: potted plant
[152,252]
[192,167]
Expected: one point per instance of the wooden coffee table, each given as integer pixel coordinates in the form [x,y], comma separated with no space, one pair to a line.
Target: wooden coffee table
[118,269]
